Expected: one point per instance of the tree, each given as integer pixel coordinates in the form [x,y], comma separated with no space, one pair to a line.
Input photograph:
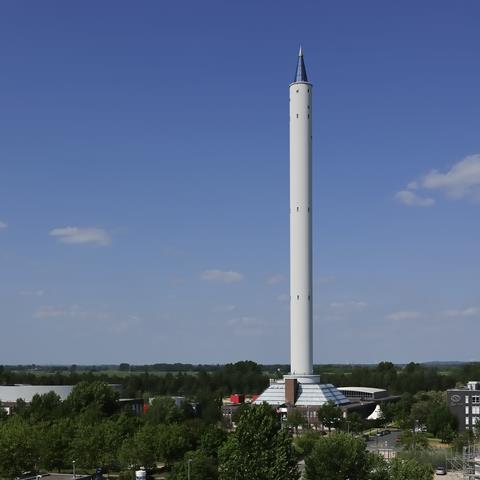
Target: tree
[258,449]
[338,457]
[462,440]
[43,407]
[388,412]
[379,468]
[200,465]
[210,406]
[408,469]
[239,411]
[440,419]
[124,367]
[329,415]
[411,440]
[173,442]
[94,399]
[354,423]
[305,442]
[3,415]
[96,445]
[141,449]
[18,447]
[163,410]
[54,447]
[211,440]
[446,434]
[295,419]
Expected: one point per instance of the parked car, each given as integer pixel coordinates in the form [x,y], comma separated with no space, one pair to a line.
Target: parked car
[440,470]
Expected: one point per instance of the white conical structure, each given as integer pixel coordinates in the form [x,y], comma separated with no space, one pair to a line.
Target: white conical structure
[376,414]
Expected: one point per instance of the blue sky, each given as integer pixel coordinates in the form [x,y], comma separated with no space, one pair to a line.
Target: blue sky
[144,180]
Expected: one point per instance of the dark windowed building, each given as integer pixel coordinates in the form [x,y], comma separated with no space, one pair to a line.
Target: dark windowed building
[464,403]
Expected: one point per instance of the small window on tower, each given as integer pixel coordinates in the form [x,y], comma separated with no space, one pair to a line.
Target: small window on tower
[297,115]
[297,209]
[297,91]
[298,297]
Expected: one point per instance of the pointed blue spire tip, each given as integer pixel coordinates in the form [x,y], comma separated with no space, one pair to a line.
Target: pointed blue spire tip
[301,72]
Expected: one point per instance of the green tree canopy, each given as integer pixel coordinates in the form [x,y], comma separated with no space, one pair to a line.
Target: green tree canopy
[200,465]
[305,442]
[18,447]
[141,449]
[94,399]
[44,407]
[409,469]
[329,415]
[212,439]
[258,449]
[295,419]
[164,410]
[174,441]
[338,457]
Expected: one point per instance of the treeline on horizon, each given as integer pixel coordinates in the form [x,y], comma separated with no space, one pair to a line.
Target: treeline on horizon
[208,367]
[251,378]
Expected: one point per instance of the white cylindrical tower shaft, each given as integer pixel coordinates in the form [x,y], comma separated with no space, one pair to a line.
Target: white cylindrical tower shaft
[301,347]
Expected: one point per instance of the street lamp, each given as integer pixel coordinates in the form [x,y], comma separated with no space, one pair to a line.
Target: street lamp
[188,468]
[73,466]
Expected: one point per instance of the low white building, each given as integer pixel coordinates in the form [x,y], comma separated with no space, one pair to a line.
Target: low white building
[11,393]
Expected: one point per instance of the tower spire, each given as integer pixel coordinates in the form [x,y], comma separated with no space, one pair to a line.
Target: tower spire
[301,72]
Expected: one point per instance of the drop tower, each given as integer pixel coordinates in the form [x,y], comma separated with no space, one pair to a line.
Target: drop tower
[301,387]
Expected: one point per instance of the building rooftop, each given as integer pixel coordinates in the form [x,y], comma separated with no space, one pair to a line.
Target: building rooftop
[363,389]
[308,394]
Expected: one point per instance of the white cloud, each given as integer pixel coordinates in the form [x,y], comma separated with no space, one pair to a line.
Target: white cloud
[80,235]
[246,326]
[3,225]
[466,312]
[221,276]
[275,279]
[463,179]
[403,315]
[412,199]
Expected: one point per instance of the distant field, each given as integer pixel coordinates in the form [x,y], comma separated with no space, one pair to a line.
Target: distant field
[109,372]
[122,373]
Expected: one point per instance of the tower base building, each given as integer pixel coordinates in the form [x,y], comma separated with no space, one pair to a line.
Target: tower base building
[301,392]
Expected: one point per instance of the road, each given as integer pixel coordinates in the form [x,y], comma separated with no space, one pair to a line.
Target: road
[387,442]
